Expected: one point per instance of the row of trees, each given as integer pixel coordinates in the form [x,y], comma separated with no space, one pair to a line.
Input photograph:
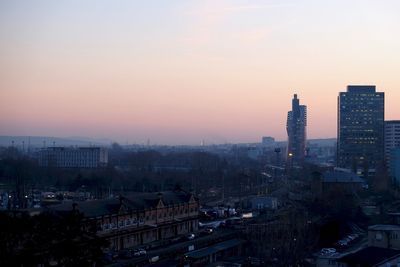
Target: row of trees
[147,171]
[49,239]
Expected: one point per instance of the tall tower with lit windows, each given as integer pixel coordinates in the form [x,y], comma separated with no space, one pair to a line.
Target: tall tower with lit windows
[360,144]
[297,134]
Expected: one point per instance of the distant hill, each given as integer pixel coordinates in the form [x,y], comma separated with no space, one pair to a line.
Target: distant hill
[38,141]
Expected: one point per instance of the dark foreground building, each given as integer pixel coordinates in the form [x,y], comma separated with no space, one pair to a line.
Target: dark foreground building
[361,129]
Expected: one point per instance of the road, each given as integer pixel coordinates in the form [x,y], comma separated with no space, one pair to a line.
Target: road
[179,248]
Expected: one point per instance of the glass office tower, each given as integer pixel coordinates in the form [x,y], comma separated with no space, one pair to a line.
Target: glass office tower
[361,129]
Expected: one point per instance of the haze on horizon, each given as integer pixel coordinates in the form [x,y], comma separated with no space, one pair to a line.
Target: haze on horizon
[179,72]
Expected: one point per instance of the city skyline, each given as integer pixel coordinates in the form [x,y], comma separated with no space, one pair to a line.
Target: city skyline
[180,73]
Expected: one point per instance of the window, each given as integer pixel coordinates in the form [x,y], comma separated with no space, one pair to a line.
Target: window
[378,236]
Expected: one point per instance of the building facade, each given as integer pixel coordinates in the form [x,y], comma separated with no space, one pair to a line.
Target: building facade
[339,181]
[82,157]
[297,134]
[392,137]
[268,141]
[361,129]
[384,236]
[394,165]
[264,202]
[139,219]
[392,149]
[370,257]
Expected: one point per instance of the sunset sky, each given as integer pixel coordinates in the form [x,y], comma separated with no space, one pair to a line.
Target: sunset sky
[178,72]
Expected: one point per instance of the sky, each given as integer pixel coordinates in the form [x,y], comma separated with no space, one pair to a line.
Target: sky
[179,72]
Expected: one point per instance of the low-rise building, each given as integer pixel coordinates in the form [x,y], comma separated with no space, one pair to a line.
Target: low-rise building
[264,202]
[342,181]
[384,236]
[328,260]
[371,257]
[139,219]
[214,253]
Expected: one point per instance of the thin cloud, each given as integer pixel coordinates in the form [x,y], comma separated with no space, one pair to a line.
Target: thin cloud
[254,7]
[253,36]
[210,15]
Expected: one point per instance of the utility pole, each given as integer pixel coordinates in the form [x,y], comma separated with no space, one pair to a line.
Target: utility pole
[278,159]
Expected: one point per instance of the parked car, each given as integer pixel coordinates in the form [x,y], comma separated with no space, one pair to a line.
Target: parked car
[139,252]
[255,261]
[136,253]
[190,236]
[342,243]
[353,236]
[154,259]
[208,230]
[327,251]
[142,251]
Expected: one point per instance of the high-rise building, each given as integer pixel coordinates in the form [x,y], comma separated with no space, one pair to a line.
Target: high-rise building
[361,129]
[394,165]
[392,149]
[296,129]
[392,137]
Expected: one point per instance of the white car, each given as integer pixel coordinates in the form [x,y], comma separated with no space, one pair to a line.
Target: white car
[208,230]
[142,251]
[154,259]
[327,251]
[139,252]
[190,236]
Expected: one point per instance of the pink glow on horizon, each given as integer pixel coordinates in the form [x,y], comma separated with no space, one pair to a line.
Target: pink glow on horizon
[221,72]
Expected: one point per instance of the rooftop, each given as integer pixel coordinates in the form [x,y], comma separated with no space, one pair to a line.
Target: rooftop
[384,227]
[341,177]
[370,256]
[361,88]
[204,252]
[128,202]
